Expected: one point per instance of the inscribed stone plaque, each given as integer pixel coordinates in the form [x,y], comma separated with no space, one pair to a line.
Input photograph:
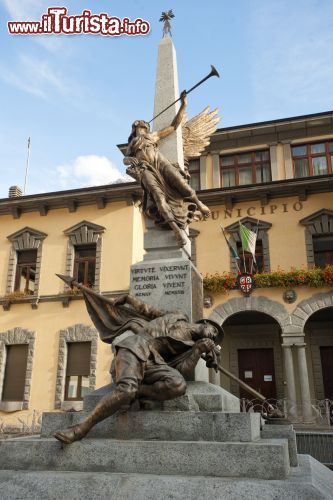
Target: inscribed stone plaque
[172,284]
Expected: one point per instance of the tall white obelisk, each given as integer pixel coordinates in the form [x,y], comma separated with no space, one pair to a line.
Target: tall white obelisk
[166,92]
[166,278]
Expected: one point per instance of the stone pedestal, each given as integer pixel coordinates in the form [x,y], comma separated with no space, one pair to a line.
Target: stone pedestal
[153,455]
[199,396]
[168,280]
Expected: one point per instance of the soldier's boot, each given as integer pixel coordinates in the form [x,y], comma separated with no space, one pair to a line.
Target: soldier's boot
[106,407]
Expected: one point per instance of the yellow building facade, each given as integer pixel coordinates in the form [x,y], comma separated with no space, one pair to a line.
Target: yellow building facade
[274,177]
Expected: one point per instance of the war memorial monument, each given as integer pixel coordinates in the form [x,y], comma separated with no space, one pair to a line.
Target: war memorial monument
[161,430]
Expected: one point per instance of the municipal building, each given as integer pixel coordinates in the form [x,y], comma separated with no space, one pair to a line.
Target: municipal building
[274,177]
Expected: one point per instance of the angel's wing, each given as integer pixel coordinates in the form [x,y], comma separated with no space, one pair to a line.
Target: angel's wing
[197,131]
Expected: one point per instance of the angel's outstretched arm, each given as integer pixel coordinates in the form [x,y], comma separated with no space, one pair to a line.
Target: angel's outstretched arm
[164,132]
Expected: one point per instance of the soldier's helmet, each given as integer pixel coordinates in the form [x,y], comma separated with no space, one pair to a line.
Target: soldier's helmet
[220,332]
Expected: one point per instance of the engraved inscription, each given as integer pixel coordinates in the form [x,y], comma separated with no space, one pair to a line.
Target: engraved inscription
[163,279]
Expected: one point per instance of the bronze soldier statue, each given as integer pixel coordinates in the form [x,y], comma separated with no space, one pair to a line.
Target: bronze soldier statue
[153,351]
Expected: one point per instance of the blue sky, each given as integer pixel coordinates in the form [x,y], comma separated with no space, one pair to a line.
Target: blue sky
[76,96]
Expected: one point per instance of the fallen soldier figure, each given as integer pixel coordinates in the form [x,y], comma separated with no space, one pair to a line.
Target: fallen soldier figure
[154,351]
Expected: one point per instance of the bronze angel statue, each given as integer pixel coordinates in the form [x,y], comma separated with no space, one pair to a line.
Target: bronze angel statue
[168,198]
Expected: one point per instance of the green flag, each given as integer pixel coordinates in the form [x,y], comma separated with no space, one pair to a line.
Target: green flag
[248,239]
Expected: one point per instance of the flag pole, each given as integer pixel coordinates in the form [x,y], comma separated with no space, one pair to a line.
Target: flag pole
[228,244]
[27,167]
[244,263]
[257,230]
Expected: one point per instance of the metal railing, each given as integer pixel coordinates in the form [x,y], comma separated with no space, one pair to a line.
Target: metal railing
[322,410]
[21,425]
[318,444]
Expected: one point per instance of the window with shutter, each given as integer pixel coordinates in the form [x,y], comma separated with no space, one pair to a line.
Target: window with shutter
[15,372]
[77,370]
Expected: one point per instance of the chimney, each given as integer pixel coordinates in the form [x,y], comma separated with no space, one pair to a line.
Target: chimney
[14,192]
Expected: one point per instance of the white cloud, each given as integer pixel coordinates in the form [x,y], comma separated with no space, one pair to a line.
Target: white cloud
[291,64]
[32,10]
[90,170]
[22,10]
[37,77]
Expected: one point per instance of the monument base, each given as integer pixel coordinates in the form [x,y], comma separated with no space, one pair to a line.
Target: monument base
[174,453]
[309,481]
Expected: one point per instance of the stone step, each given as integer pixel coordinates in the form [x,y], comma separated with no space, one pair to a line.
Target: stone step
[199,396]
[265,459]
[163,426]
[284,432]
[310,481]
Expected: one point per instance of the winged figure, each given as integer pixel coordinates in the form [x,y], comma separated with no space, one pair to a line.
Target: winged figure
[168,198]
[197,131]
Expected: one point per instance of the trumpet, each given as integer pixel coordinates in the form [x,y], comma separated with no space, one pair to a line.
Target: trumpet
[213,72]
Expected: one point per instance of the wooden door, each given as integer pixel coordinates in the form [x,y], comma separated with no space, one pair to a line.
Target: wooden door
[256,368]
[326,354]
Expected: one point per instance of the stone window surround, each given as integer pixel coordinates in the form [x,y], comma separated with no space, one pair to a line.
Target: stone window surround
[80,234]
[24,239]
[320,222]
[13,337]
[76,333]
[263,228]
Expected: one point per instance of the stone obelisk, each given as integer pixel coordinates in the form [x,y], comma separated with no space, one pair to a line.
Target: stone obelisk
[166,278]
[166,92]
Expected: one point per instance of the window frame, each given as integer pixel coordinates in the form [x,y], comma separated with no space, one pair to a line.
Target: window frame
[24,239]
[76,333]
[248,258]
[84,233]
[79,396]
[86,260]
[12,337]
[28,265]
[319,223]
[321,252]
[309,156]
[252,224]
[253,164]
[194,173]
[4,396]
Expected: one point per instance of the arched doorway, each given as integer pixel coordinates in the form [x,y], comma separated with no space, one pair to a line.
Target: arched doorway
[252,351]
[319,338]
